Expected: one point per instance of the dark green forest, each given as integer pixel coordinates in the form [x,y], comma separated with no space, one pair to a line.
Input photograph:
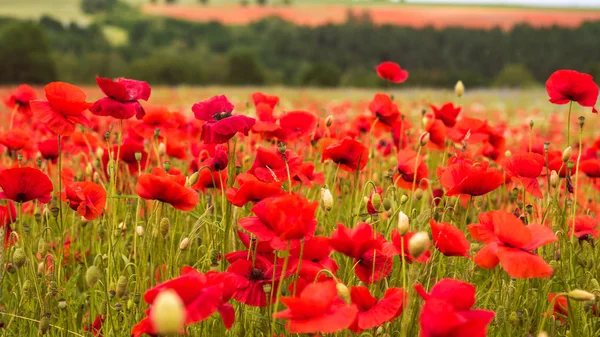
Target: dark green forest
[272,51]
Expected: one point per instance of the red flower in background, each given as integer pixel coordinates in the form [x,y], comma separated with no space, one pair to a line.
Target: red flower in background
[373,312]
[315,257]
[122,98]
[391,71]
[260,98]
[23,184]
[282,218]
[251,278]
[447,113]
[437,131]
[20,99]
[591,167]
[400,247]
[87,198]
[307,176]
[296,124]
[156,117]
[158,185]
[406,177]
[210,179]
[270,165]
[15,139]
[509,242]
[384,109]
[370,208]
[560,309]
[565,86]
[49,149]
[448,239]
[348,153]
[448,312]
[526,167]
[127,155]
[63,108]
[220,159]
[8,215]
[317,309]
[463,176]
[584,225]
[251,190]
[220,124]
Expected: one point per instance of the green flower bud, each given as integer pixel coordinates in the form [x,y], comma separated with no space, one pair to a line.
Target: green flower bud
[92,276]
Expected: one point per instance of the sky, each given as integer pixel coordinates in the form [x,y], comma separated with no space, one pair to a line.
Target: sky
[544,3]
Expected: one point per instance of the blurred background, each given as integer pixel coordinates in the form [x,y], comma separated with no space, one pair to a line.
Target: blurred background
[323,43]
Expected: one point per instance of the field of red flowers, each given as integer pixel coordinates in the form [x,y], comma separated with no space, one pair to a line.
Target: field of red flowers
[126,211]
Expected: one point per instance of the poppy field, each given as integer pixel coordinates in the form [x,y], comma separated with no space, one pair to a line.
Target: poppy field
[129,210]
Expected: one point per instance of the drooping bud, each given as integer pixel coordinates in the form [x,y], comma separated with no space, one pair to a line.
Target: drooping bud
[403,223]
[580,295]
[192,179]
[42,247]
[459,89]
[92,276]
[326,199]
[418,244]
[424,139]
[343,293]
[566,155]
[419,194]
[168,313]
[403,199]
[376,201]
[387,204]
[18,257]
[44,325]
[184,244]
[163,227]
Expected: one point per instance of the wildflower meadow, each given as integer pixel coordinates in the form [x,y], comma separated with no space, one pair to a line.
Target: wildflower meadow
[127,211]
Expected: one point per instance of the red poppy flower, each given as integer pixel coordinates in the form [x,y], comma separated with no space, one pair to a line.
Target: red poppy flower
[315,258]
[23,184]
[400,246]
[121,101]
[158,185]
[296,124]
[96,326]
[220,159]
[526,167]
[8,215]
[63,108]
[251,190]
[87,198]
[157,117]
[373,312]
[20,98]
[127,155]
[307,176]
[251,278]
[220,124]
[253,245]
[230,285]
[49,149]
[509,242]
[15,139]
[448,239]
[317,309]
[447,113]
[210,179]
[591,167]
[384,109]
[266,123]
[564,86]
[270,165]
[437,131]
[260,98]
[282,218]
[371,252]
[391,71]
[463,176]
[200,299]
[348,153]
[407,177]
[370,208]
[584,225]
[448,311]
[560,309]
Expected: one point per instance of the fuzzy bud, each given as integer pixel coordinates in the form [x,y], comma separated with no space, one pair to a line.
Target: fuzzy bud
[403,199]
[163,227]
[162,149]
[121,286]
[92,276]
[376,201]
[184,244]
[89,169]
[139,230]
[99,152]
[553,178]
[567,154]
[387,204]
[44,325]
[542,334]
[403,223]
[580,295]
[459,89]
[192,179]
[62,304]
[96,178]
[343,293]
[418,244]
[168,313]
[326,199]
[281,147]
[424,139]
[329,121]
[419,194]
[18,257]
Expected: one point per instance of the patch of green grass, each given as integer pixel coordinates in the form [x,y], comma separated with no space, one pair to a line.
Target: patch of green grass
[115,36]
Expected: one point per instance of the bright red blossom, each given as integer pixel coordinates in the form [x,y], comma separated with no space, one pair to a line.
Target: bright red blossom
[391,71]
[158,185]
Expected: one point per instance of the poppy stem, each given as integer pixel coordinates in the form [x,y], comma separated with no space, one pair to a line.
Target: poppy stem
[299,266]
[576,182]
[569,125]
[281,277]
[58,203]
[12,116]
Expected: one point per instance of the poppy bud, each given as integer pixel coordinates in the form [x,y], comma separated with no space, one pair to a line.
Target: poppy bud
[594,283]
[192,179]
[118,307]
[403,223]
[387,204]
[459,89]
[167,165]
[329,121]
[376,201]
[529,208]
[281,147]
[581,121]
[156,133]
[184,244]
[42,247]
[580,295]
[326,199]
[88,169]
[343,293]
[570,165]
[54,211]
[96,178]
[26,288]
[40,268]
[162,149]
[122,286]
[163,227]
[44,325]
[403,199]
[139,230]
[99,152]
[553,178]
[138,156]
[267,287]
[567,154]
[92,276]
[542,334]
[546,146]
[168,313]
[418,243]
[424,139]
[10,268]
[379,331]
[19,258]
[62,304]
[419,194]
[38,162]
